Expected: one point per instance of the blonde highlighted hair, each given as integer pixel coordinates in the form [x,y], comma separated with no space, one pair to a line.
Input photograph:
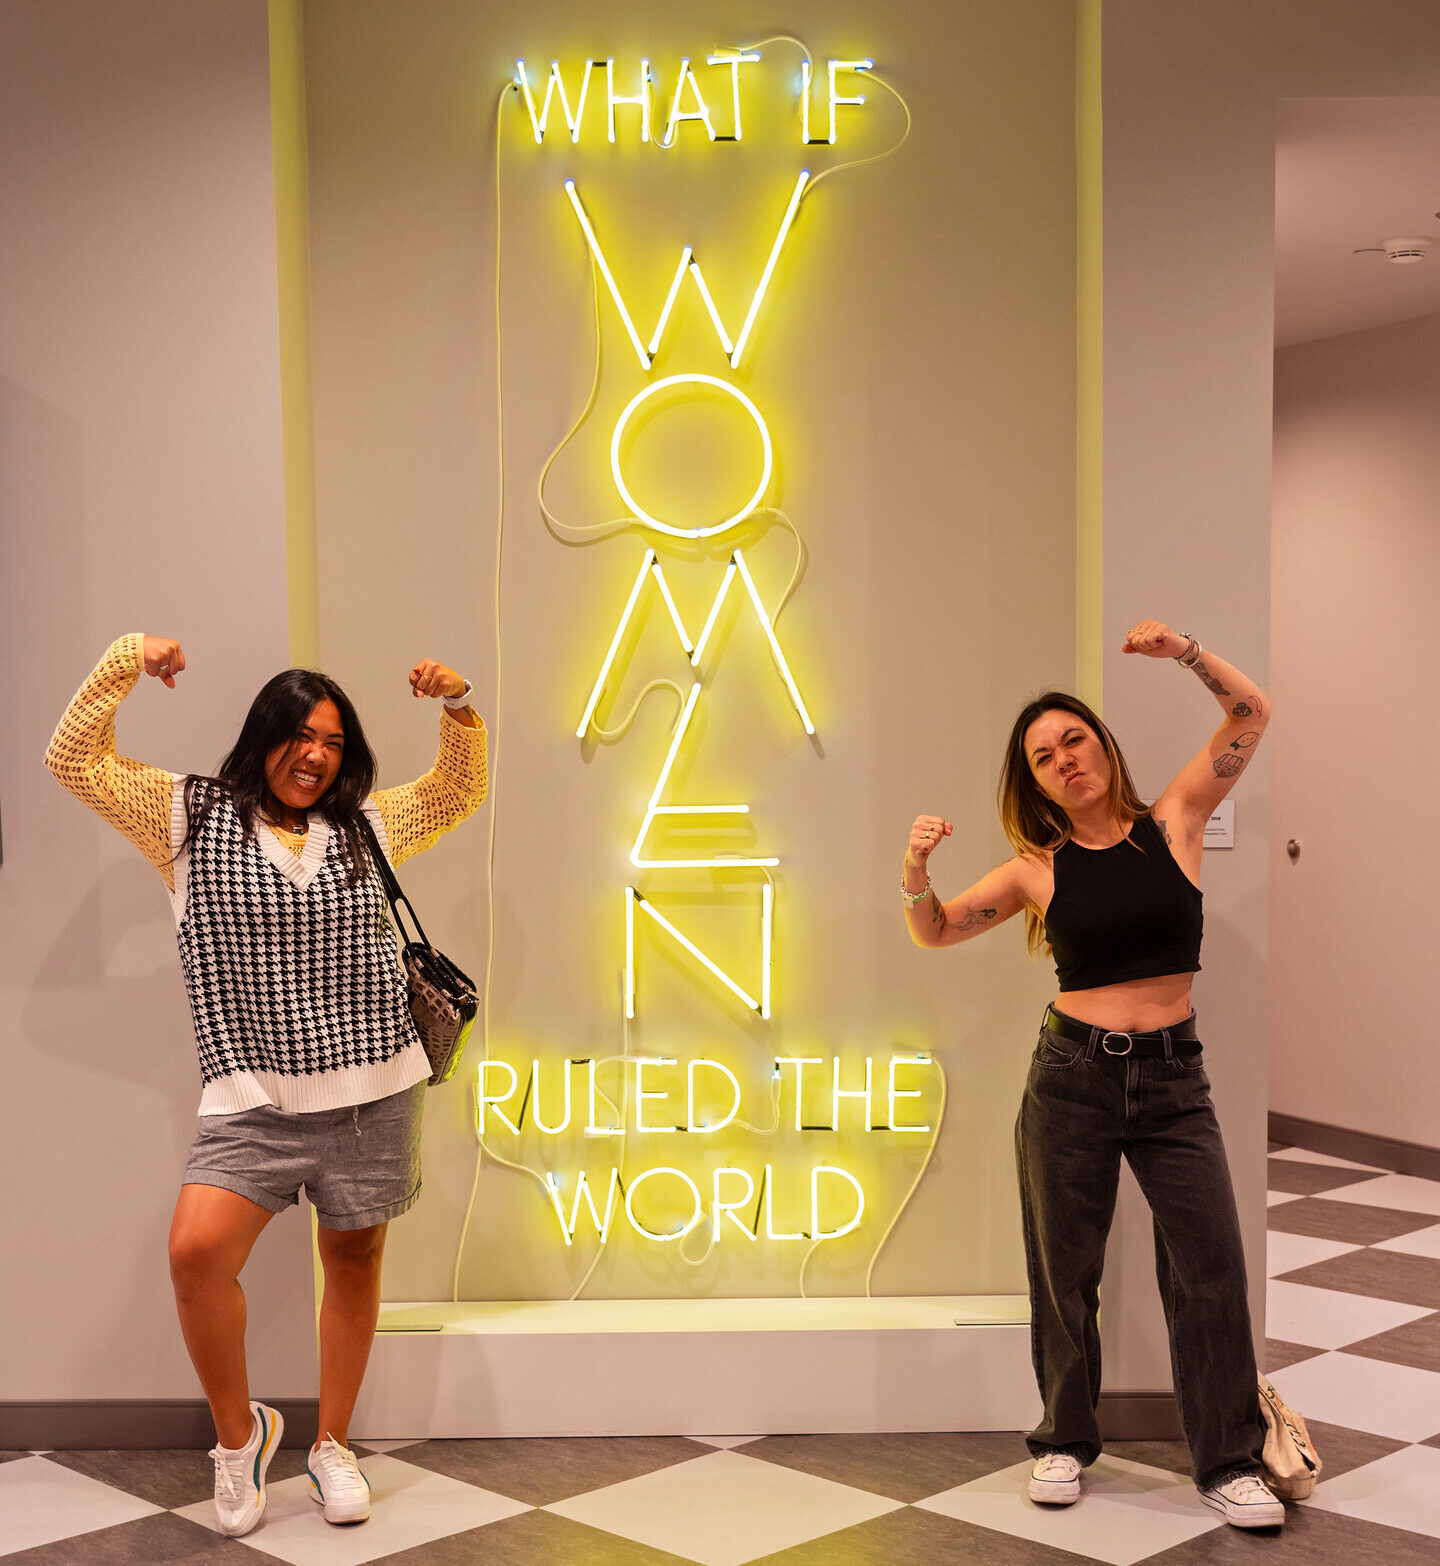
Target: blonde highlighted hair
[1035,824]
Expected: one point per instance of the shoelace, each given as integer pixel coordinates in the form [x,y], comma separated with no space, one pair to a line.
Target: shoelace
[1052,1460]
[1247,1487]
[339,1466]
[228,1471]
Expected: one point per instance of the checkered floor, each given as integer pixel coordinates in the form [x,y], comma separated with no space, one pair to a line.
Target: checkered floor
[1354,1318]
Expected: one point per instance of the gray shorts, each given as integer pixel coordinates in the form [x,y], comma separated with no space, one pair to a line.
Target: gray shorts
[359,1166]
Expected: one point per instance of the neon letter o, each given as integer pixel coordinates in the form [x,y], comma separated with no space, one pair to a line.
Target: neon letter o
[650,1234]
[690,380]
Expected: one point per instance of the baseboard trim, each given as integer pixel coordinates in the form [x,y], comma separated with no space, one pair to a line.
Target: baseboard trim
[1360,1147]
[1139,1416]
[119,1424]
[184,1424]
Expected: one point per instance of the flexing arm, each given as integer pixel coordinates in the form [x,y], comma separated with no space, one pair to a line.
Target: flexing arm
[992,900]
[134,798]
[1209,775]
[417,814]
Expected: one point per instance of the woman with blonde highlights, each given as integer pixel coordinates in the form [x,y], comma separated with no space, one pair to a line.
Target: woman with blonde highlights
[1110,888]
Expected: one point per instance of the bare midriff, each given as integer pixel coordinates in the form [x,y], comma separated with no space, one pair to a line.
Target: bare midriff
[1137,1006]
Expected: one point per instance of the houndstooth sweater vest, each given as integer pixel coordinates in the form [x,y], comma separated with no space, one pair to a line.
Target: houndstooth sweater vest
[296,991]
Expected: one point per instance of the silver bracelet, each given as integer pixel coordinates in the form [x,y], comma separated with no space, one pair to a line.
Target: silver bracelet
[916,897]
[1191,656]
[460,702]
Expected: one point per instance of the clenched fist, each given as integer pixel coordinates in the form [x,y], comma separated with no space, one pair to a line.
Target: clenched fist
[925,836]
[163,659]
[1155,639]
[429,678]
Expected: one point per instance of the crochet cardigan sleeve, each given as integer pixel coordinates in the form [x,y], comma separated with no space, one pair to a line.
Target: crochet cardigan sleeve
[417,814]
[134,798]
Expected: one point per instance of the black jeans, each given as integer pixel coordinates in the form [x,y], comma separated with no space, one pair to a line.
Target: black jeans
[1083,1108]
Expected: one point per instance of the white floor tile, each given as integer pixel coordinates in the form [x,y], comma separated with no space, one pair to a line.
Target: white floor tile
[725,1442]
[724,1508]
[1275,1198]
[1401,1491]
[1126,1510]
[1404,1193]
[1364,1394]
[1420,1242]
[1300,1155]
[1285,1252]
[1328,1319]
[409,1506]
[385,1446]
[41,1502]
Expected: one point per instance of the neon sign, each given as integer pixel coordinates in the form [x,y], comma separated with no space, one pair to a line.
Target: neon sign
[685,79]
[859,1099]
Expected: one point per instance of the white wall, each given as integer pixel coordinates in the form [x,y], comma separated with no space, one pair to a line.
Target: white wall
[140,489]
[1190,96]
[1356,565]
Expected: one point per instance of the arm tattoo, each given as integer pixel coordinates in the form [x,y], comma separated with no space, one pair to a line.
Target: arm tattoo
[1245,741]
[1241,709]
[1208,680]
[937,911]
[1164,832]
[1228,766]
[975,918]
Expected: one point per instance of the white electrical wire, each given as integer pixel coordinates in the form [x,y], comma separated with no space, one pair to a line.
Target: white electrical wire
[481,1150]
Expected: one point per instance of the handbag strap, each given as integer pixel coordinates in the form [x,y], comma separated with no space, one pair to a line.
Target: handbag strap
[388,881]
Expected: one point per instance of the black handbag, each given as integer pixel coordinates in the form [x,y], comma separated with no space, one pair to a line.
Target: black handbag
[443,999]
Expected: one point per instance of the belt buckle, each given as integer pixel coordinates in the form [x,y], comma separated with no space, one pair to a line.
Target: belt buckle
[1115,1033]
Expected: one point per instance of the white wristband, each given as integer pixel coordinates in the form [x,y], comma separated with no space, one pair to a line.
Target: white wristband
[460,702]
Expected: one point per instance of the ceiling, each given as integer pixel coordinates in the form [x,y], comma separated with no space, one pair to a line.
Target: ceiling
[1351,172]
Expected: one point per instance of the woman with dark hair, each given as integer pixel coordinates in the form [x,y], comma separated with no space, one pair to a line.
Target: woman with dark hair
[313,1073]
[1111,888]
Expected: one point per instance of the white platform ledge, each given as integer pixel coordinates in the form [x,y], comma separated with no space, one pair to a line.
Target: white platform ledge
[699,1367]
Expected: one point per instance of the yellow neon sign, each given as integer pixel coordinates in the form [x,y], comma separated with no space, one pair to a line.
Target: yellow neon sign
[685,76]
[734,58]
[720,1208]
[695,651]
[642,396]
[665,1203]
[634,901]
[689,265]
[614,100]
[555,84]
[833,68]
[663,1236]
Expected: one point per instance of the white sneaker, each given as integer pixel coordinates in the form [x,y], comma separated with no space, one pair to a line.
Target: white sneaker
[1055,1479]
[240,1472]
[1245,1501]
[337,1483]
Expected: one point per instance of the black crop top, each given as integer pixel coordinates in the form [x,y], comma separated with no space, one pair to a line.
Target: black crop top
[1127,912]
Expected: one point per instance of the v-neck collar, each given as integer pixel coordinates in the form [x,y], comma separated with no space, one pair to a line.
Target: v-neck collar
[299,869]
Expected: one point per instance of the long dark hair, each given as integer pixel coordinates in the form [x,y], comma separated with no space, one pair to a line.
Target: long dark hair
[278,713]
[1033,822]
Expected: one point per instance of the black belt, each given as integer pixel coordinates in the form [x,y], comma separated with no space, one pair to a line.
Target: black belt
[1115,1042]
